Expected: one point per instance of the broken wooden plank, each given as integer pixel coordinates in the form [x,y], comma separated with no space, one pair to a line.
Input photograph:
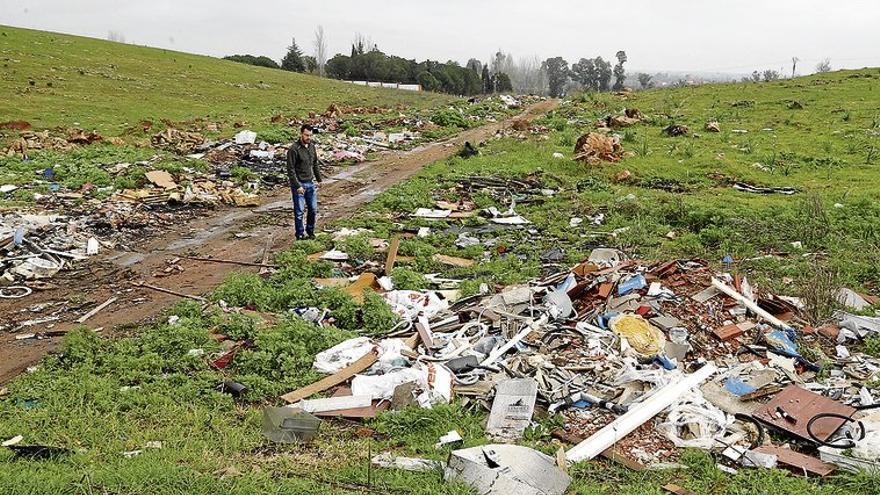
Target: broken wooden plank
[392,254]
[365,281]
[342,375]
[453,261]
[677,490]
[797,462]
[761,392]
[424,329]
[97,310]
[638,415]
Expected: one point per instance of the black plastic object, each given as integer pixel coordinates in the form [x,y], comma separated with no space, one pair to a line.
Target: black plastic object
[232,388]
[37,452]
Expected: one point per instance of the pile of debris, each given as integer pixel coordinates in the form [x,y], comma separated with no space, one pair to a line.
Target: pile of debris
[38,247]
[639,359]
[595,147]
[29,141]
[631,116]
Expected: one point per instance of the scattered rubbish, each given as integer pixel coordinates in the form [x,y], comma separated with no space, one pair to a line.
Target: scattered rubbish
[742,186]
[289,425]
[676,130]
[37,452]
[796,410]
[340,403]
[644,338]
[647,409]
[15,292]
[161,179]
[498,469]
[713,126]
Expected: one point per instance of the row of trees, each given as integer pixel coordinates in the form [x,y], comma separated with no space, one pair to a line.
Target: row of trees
[592,74]
[501,74]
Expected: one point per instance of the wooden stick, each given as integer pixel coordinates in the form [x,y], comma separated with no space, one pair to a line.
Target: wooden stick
[169,291]
[230,262]
[97,309]
[392,254]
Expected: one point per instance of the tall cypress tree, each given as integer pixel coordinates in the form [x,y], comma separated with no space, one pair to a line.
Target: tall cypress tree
[293,60]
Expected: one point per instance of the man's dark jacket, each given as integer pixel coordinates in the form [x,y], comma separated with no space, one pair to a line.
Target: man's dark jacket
[302,164]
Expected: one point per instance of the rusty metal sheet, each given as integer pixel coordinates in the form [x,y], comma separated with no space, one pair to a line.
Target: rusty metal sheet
[801,405]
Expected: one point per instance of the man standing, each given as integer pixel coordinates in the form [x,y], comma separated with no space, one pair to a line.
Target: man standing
[302,172]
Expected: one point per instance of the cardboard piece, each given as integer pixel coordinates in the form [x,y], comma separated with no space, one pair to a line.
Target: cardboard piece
[366,280]
[453,261]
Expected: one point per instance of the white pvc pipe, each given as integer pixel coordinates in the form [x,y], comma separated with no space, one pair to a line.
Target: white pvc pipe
[638,415]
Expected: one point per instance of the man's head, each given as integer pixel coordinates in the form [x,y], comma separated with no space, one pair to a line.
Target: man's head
[305,134]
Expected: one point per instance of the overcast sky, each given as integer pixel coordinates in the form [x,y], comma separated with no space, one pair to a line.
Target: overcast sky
[683,35]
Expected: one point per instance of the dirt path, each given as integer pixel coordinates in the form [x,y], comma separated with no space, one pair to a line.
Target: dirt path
[236,234]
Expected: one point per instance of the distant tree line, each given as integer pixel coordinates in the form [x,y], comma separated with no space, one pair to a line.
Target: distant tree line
[591,74]
[367,63]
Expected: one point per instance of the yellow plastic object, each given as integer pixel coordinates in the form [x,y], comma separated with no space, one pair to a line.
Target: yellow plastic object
[643,337]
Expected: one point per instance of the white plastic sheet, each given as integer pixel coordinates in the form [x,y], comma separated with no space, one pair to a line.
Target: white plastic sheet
[409,304]
[342,354]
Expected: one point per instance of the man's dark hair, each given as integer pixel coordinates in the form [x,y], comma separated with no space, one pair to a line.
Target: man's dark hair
[306,127]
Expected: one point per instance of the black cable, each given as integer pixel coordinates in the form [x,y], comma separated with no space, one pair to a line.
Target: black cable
[745,417]
[848,442]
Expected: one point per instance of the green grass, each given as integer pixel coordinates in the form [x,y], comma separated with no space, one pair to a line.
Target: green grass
[103,396]
[110,87]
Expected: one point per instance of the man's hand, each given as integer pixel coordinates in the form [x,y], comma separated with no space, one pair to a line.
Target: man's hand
[301,190]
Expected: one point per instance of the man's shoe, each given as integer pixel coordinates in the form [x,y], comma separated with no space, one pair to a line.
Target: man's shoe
[300,237]
[310,235]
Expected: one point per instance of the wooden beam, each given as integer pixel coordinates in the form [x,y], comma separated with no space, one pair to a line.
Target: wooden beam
[97,310]
[392,254]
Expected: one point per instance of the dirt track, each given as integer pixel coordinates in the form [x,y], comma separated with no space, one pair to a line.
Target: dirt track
[213,236]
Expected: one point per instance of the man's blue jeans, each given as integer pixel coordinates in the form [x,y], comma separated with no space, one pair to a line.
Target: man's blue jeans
[310,196]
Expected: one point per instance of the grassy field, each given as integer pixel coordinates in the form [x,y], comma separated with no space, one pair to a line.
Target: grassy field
[57,80]
[103,397]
